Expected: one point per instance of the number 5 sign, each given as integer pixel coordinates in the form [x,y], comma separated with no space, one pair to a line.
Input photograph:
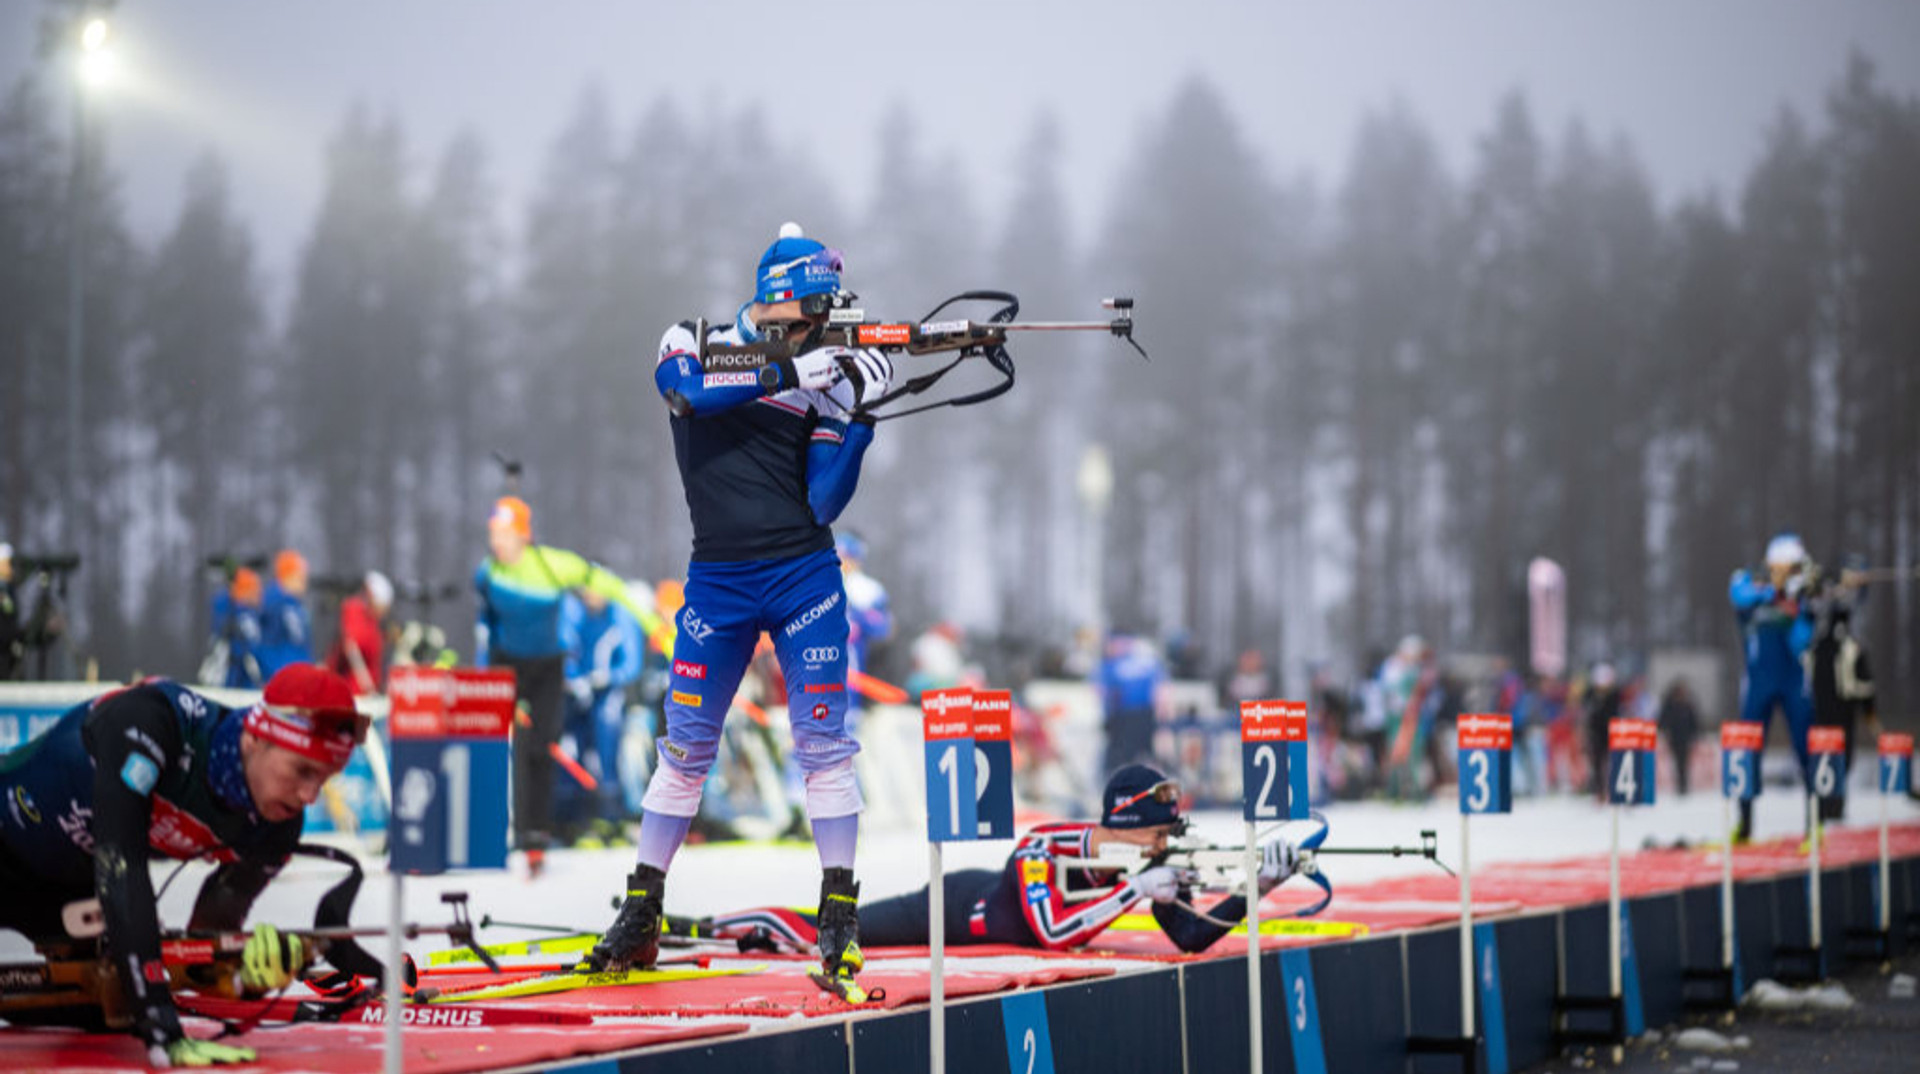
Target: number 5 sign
[1273,760]
[1896,763]
[1630,746]
[947,717]
[1740,742]
[1486,763]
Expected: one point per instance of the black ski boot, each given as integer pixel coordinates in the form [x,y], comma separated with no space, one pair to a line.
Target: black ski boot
[838,929]
[633,940]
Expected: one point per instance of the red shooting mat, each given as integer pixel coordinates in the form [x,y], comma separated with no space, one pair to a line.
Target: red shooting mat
[783,989]
[339,1049]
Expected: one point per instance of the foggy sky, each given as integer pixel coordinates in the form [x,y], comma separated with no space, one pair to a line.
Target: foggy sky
[1691,84]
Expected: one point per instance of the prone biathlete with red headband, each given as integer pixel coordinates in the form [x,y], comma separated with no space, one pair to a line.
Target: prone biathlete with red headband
[158,770]
[1035,901]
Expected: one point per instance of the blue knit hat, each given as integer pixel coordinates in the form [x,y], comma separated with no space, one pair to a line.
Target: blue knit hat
[795,267]
[1140,796]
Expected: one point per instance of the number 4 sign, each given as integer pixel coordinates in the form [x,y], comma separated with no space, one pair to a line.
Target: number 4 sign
[1273,760]
[1486,763]
[1896,763]
[1630,746]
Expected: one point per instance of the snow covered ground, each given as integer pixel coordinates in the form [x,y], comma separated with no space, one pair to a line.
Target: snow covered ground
[578,886]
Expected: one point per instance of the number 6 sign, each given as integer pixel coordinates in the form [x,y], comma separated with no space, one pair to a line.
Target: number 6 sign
[1486,763]
[1827,753]
[1273,760]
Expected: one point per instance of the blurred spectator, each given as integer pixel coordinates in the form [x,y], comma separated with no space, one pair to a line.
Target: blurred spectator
[1249,681]
[1369,723]
[869,616]
[604,655]
[1534,711]
[1131,683]
[286,626]
[235,661]
[1184,659]
[13,647]
[1602,708]
[1680,722]
[1406,679]
[519,586]
[359,653]
[1838,672]
[938,660]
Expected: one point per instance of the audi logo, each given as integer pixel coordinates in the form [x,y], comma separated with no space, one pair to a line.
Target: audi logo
[820,654]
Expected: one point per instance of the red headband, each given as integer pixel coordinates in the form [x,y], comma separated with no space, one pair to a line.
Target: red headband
[309,710]
[326,737]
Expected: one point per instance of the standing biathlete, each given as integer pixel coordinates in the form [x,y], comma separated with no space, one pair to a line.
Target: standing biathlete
[1776,628]
[1034,900]
[766,468]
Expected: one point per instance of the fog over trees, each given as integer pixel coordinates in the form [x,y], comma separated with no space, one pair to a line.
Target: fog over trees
[1369,405]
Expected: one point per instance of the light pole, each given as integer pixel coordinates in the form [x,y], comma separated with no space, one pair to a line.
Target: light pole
[93,66]
[1094,483]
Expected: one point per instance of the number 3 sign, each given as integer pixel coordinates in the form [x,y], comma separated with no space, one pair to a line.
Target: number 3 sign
[1273,760]
[1486,763]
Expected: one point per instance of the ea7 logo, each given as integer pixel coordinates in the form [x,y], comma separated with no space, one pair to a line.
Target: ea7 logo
[820,654]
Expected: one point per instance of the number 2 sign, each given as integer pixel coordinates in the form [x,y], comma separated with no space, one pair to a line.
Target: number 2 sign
[1273,760]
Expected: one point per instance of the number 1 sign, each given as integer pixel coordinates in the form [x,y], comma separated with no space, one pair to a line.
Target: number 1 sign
[1273,760]
[451,756]
[947,718]
[1486,763]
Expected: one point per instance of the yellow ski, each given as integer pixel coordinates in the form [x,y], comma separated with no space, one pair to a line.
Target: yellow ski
[548,984]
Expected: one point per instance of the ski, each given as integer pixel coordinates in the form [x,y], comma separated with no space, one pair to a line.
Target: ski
[542,984]
[552,945]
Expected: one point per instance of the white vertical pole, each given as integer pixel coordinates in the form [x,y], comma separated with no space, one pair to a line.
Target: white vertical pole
[1886,866]
[1813,869]
[1466,932]
[1255,1059]
[1613,906]
[1726,884]
[937,940]
[395,914]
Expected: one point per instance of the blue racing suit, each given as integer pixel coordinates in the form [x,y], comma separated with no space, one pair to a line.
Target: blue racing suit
[240,627]
[764,476]
[286,630]
[1775,629]
[604,655]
